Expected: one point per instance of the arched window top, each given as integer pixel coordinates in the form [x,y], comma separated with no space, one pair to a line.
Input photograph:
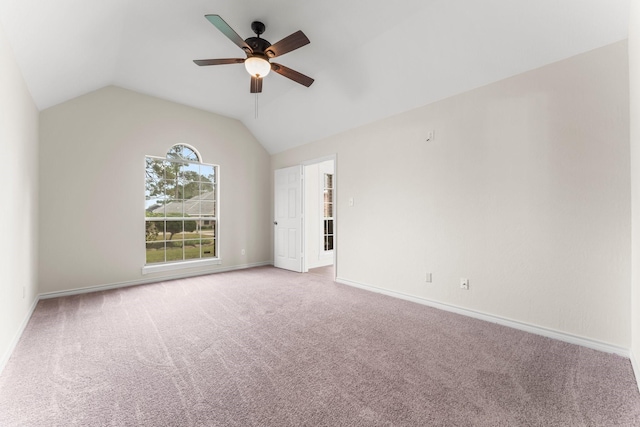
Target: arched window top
[184,152]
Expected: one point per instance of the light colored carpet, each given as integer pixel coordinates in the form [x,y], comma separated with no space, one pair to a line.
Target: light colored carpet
[266,347]
[327,272]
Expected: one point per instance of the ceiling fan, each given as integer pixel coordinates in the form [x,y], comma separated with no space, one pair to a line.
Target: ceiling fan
[259,51]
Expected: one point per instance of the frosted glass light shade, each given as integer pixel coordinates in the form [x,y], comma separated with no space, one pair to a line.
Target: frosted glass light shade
[257,67]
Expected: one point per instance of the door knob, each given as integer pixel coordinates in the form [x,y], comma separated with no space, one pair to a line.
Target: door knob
[275,222]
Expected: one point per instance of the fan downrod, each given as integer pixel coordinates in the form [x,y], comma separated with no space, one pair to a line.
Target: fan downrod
[258,27]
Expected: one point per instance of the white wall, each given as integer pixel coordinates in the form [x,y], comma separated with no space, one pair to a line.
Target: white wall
[92,186]
[311,215]
[525,191]
[634,95]
[19,177]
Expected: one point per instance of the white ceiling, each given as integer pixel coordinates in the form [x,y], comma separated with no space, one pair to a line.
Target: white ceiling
[370,58]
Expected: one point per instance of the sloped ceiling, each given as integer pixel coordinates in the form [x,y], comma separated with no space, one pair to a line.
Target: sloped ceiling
[370,58]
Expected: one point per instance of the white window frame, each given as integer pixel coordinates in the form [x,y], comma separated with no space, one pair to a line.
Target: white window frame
[322,174]
[190,263]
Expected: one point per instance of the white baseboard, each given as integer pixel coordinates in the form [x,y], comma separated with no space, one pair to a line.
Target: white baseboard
[14,342]
[106,287]
[636,368]
[561,336]
[549,333]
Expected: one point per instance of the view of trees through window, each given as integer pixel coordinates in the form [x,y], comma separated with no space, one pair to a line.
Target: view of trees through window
[180,207]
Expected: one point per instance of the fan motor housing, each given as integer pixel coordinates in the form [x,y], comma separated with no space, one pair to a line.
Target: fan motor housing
[257,44]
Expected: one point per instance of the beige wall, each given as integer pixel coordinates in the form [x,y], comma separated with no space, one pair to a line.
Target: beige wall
[525,191]
[92,186]
[18,174]
[634,92]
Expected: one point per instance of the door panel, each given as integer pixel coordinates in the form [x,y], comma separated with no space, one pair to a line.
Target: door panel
[288,218]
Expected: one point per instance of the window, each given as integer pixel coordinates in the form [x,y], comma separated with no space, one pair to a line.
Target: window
[328,212]
[181,207]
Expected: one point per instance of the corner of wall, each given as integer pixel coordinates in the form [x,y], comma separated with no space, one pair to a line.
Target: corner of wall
[636,368]
[18,266]
[4,358]
[634,139]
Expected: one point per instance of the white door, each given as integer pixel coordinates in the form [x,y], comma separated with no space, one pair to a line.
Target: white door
[287,238]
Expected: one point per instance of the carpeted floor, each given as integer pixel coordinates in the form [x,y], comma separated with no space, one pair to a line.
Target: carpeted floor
[266,347]
[327,272]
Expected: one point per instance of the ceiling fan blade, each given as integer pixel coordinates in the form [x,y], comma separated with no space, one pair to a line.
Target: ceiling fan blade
[256,84]
[224,61]
[225,29]
[292,74]
[287,44]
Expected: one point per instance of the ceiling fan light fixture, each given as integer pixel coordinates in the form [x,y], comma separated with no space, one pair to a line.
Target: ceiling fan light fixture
[257,67]
[259,51]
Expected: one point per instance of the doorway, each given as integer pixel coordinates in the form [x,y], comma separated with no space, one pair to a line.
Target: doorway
[305,217]
[320,217]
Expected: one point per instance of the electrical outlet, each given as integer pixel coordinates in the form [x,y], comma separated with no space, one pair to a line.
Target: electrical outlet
[464,284]
[427,278]
[243,252]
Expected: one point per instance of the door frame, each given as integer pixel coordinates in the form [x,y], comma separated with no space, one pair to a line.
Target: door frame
[336,236]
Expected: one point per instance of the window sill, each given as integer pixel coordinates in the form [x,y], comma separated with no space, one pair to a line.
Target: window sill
[180,265]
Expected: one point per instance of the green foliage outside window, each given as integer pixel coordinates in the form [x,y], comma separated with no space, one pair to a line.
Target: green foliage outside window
[181,207]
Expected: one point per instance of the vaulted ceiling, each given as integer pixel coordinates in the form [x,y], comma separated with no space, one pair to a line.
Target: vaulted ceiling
[370,58]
